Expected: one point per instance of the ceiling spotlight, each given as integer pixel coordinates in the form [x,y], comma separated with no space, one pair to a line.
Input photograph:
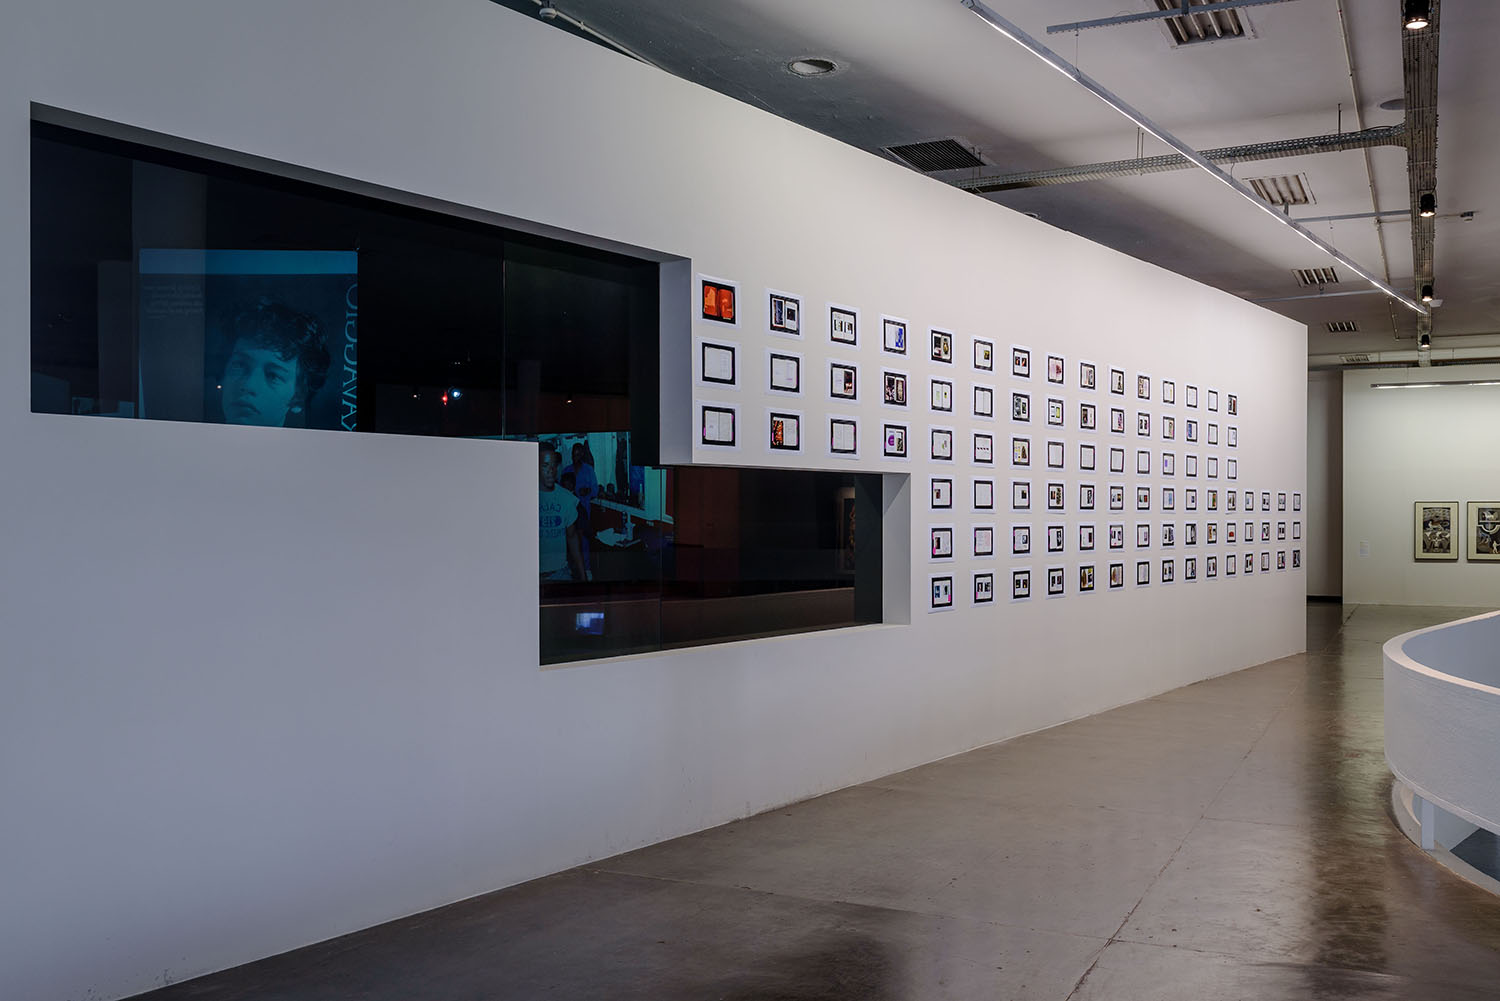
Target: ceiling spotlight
[1416,14]
[1428,207]
[1426,293]
[812,66]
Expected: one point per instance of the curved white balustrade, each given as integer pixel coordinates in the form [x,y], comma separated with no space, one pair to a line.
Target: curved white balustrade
[1442,718]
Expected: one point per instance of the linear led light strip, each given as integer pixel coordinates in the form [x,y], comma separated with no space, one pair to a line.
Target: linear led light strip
[1434,385]
[1088,83]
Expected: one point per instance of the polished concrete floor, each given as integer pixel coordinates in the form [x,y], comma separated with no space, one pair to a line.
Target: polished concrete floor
[1228,840]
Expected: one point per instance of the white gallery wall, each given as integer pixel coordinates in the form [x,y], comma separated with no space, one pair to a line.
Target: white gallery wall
[1407,445]
[1325,484]
[233,725]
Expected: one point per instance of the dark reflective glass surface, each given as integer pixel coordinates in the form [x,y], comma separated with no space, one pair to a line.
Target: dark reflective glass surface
[170,287]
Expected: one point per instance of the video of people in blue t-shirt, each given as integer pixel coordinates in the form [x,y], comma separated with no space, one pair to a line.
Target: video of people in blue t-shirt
[601,517]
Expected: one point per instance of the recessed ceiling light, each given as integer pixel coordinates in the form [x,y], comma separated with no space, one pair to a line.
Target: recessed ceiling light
[812,66]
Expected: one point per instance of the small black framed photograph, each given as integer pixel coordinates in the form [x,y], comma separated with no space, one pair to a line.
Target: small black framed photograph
[1020,585]
[1020,362]
[1055,497]
[843,436]
[1086,578]
[1056,452]
[1055,541]
[1086,456]
[717,300]
[1117,460]
[785,372]
[1168,571]
[984,448]
[1086,538]
[984,355]
[984,540]
[1116,497]
[893,386]
[1086,375]
[1054,412]
[942,493]
[1143,387]
[984,588]
[1143,461]
[1117,381]
[1142,573]
[1020,451]
[1087,494]
[1020,407]
[942,593]
[785,313]
[717,425]
[1143,498]
[1168,391]
[843,325]
[1020,495]
[1116,420]
[942,542]
[984,495]
[942,346]
[893,335]
[894,441]
[1056,580]
[1117,536]
[984,401]
[785,432]
[1088,417]
[1055,368]
[843,381]
[942,444]
[1116,576]
[1142,425]
[1020,540]
[717,363]
[940,395]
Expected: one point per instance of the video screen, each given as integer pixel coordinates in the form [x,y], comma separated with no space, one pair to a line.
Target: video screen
[601,516]
[254,337]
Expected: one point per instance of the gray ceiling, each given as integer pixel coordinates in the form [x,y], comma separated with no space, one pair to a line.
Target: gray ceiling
[913,70]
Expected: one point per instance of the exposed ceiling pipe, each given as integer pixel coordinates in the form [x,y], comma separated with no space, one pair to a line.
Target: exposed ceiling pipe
[1386,135]
[547,12]
[1359,123]
[1419,71]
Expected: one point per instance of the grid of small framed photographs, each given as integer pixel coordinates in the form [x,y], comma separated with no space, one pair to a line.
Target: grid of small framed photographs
[1050,475]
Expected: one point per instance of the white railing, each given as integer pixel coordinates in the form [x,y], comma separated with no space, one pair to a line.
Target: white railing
[1442,721]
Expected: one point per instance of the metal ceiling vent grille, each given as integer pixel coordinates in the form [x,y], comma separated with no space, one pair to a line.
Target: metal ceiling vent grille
[1343,327]
[1309,277]
[1209,27]
[937,154]
[1285,189]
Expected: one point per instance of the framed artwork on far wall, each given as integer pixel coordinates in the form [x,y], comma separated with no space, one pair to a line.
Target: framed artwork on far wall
[1484,531]
[1435,530]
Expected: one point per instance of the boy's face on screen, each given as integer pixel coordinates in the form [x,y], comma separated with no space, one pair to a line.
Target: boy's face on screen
[258,386]
[548,469]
